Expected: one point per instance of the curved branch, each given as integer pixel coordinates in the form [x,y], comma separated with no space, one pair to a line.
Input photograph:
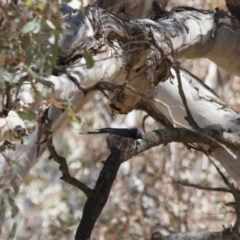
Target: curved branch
[64,169]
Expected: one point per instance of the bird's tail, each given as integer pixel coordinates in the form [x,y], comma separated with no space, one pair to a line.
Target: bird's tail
[90,132]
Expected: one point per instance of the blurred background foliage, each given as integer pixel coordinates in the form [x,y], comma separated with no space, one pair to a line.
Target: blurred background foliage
[145,196]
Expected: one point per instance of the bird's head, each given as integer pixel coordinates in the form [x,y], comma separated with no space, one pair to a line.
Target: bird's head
[139,134]
[136,133]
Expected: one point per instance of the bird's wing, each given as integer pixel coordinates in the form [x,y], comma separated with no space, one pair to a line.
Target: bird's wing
[110,130]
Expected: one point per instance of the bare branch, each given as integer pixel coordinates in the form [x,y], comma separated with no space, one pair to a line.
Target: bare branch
[186,184]
[228,235]
[64,169]
[189,116]
[94,204]
[236,194]
[203,136]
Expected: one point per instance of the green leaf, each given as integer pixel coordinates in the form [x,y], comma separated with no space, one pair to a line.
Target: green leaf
[45,83]
[52,39]
[28,3]
[13,230]
[10,78]
[82,8]
[50,24]
[28,114]
[37,29]
[31,26]
[34,74]
[2,213]
[2,148]
[89,59]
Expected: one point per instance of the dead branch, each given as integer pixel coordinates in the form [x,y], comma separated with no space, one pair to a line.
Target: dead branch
[186,184]
[235,192]
[64,169]
[189,116]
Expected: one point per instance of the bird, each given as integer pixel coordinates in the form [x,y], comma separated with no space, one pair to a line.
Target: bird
[134,133]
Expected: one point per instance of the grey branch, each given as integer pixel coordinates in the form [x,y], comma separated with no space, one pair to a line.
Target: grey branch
[197,236]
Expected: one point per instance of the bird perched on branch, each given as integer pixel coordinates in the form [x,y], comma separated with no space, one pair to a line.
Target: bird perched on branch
[124,132]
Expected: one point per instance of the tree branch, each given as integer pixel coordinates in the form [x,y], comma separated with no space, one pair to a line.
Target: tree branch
[94,204]
[204,136]
[225,235]
[186,184]
[235,192]
[64,169]
[189,116]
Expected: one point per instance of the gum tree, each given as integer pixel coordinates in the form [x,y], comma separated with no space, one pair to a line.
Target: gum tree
[134,60]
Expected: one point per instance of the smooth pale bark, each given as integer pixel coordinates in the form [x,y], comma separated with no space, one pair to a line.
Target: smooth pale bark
[206,108]
[205,34]
[133,51]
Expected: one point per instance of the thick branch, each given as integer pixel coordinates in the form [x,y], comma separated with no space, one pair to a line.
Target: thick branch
[197,236]
[203,136]
[125,56]
[94,204]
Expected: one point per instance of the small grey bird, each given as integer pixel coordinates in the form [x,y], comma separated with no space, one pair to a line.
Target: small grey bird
[124,132]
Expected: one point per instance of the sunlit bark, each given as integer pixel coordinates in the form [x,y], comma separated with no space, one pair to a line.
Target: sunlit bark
[139,54]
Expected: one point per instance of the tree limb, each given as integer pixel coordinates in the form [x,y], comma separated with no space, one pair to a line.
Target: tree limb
[94,204]
[64,169]
[211,189]
[197,236]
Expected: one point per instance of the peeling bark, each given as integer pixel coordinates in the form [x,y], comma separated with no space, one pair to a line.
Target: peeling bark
[137,54]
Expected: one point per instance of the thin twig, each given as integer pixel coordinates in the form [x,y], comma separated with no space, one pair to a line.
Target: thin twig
[64,169]
[143,123]
[236,194]
[186,184]
[189,117]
